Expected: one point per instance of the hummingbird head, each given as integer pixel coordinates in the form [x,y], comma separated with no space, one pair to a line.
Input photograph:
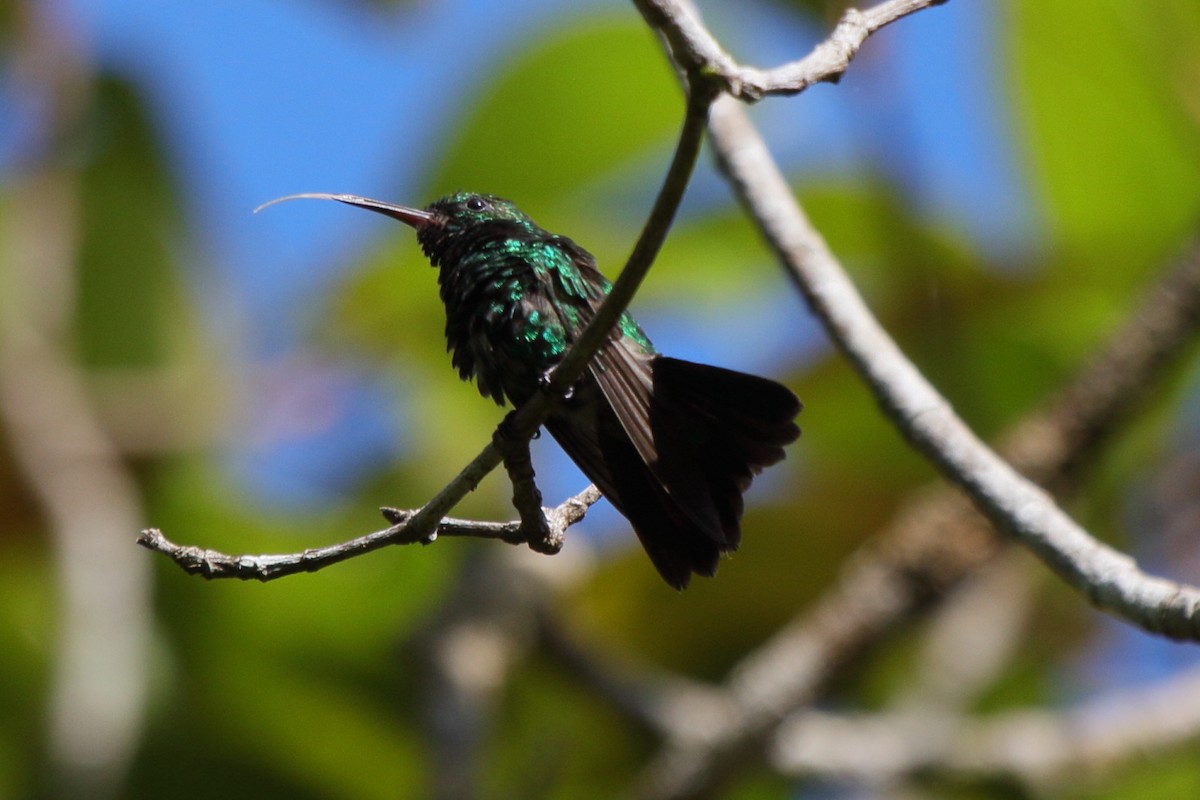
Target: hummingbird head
[464,211]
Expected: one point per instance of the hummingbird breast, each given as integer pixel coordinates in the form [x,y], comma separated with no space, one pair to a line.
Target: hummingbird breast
[504,325]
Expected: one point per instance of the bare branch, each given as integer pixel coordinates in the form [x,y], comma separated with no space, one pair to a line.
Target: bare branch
[697,51]
[1108,578]
[650,241]
[936,539]
[972,637]
[214,564]
[1031,746]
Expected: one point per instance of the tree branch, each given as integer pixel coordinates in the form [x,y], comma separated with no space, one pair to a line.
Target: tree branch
[1109,579]
[1034,747]
[935,540]
[214,564]
[939,537]
[697,51]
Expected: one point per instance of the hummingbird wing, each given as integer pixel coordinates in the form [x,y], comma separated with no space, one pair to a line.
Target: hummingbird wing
[676,443]
[703,431]
[595,440]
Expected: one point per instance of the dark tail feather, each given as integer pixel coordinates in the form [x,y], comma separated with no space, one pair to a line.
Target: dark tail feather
[713,429]
[716,429]
[675,544]
[606,454]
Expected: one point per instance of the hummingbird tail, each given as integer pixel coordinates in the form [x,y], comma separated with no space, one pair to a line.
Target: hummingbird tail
[676,459]
[715,429]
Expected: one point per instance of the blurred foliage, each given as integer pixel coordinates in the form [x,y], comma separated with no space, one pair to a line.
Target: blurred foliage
[307,688]
[130,303]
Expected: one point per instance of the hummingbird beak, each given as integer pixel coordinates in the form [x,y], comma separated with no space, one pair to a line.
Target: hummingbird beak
[413,217]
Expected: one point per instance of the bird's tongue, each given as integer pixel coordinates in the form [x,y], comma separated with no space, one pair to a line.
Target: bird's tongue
[409,216]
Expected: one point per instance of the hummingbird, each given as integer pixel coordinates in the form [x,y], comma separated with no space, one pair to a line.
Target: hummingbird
[672,444]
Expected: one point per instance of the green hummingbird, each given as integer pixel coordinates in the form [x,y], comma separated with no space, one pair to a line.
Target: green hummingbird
[671,444]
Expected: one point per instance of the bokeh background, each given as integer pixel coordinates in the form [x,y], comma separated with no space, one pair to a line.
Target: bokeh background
[999,178]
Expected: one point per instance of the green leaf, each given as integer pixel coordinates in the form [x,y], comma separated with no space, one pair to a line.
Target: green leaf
[572,106]
[1110,124]
[130,303]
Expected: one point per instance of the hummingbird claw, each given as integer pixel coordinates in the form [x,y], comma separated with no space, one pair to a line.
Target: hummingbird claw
[546,385]
[506,430]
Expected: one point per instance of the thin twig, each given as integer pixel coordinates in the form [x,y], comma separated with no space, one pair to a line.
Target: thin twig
[697,51]
[215,564]
[654,233]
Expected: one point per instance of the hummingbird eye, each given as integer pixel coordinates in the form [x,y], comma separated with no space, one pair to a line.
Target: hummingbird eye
[477,204]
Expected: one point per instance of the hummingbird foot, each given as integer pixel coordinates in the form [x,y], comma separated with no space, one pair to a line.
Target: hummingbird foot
[527,498]
[546,386]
